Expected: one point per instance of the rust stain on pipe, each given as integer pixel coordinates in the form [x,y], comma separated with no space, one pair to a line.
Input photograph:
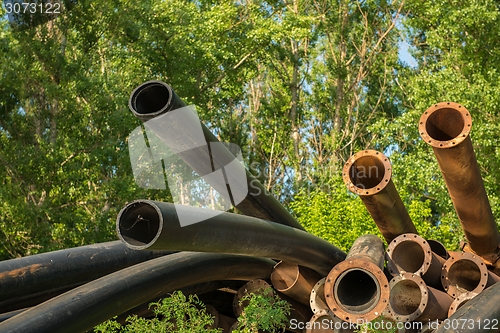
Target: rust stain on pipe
[412,254]
[21,272]
[465,272]
[368,173]
[294,281]
[412,300]
[446,127]
[357,288]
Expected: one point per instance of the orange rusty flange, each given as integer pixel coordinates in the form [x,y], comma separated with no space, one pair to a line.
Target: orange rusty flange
[446,127]
[465,272]
[368,173]
[357,290]
[412,254]
[412,300]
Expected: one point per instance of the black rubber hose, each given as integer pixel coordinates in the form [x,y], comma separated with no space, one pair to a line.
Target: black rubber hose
[82,308]
[30,280]
[145,224]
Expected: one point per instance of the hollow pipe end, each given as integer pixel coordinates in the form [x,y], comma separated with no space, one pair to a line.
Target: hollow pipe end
[405,305]
[139,224]
[401,255]
[467,267]
[150,99]
[380,299]
[445,125]
[367,172]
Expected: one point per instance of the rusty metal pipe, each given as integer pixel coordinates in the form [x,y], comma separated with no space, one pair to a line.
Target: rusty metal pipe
[317,299]
[368,173]
[294,281]
[460,301]
[145,224]
[155,98]
[325,322]
[482,312]
[82,308]
[446,127]
[438,248]
[357,288]
[30,280]
[412,300]
[465,272]
[412,254]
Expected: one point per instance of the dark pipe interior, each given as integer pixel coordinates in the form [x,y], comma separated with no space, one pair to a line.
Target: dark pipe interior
[445,124]
[367,172]
[357,291]
[408,256]
[151,98]
[465,274]
[405,297]
[139,224]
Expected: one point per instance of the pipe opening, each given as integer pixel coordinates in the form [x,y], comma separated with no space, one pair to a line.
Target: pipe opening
[139,223]
[405,297]
[465,274]
[357,291]
[408,256]
[150,98]
[284,276]
[445,124]
[367,172]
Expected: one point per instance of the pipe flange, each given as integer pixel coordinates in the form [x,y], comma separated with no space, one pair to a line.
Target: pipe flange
[317,299]
[464,272]
[319,317]
[381,166]
[247,288]
[408,253]
[456,114]
[408,299]
[372,306]
[459,301]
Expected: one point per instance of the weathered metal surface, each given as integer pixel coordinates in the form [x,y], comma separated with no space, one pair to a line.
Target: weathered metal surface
[368,173]
[412,254]
[446,127]
[30,280]
[145,224]
[317,297]
[460,301]
[294,281]
[412,300]
[357,288]
[154,98]
[480,314]
[325,322]
[466,272]
[84,307]
[438,248]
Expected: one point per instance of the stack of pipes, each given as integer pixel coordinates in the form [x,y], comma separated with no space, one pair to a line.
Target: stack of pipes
[226,256]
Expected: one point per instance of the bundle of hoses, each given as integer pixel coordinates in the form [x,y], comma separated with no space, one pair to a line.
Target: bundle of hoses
[413,282]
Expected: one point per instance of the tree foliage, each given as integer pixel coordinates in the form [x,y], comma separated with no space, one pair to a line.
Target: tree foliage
[300,85]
